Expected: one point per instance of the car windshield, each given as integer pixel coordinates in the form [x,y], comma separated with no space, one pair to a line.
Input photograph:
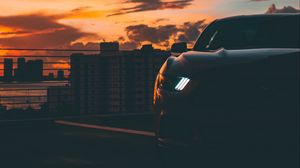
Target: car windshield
[249,33]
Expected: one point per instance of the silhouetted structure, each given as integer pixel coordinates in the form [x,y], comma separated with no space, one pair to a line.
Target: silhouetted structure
[115,81]
[21,63]
[2,108]
[109,47]
[147,48]
[31,70]
[86,83]
[60,99]
[20,70]
[179,47]
[60,75]
[34,70]
[8,69]
[50,76]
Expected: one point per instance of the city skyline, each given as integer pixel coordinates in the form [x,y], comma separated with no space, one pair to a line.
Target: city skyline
[107,74]
[22,69]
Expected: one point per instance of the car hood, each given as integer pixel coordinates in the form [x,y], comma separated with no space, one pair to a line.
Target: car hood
[193,61]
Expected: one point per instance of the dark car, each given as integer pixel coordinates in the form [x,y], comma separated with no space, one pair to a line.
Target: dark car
[233,101]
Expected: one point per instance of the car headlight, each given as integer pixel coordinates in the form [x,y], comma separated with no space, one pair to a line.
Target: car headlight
[182,83]
[171,84]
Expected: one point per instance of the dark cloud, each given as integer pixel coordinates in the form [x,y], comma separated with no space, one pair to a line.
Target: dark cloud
[121,38]
[148,5]
[129,22]
[191,30]
[162,35]
[38,31]
[31,22]
[129,45]
[160,20]
[286,9]
[57,38]
[142,32]
[81,9]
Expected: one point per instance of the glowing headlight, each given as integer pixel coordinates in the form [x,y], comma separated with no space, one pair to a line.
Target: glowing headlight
[182,83]
[170,83]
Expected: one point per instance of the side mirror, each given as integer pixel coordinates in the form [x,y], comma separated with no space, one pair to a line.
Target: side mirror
[179,48]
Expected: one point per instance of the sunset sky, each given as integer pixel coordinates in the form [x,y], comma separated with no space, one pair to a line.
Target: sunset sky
[74,23]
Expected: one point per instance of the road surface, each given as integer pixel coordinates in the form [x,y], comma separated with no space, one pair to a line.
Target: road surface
[52,145]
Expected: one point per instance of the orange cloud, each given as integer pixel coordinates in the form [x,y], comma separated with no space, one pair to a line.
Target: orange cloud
[63,64]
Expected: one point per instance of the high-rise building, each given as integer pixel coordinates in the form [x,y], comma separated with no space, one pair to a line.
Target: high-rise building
[109,47]
[115,82]
[21,63]
[60,99]
[8,69]
[20,70]
[34,70]
[87,83]
[60,74]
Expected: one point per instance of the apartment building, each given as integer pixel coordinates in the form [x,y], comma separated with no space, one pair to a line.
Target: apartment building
[115,81]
